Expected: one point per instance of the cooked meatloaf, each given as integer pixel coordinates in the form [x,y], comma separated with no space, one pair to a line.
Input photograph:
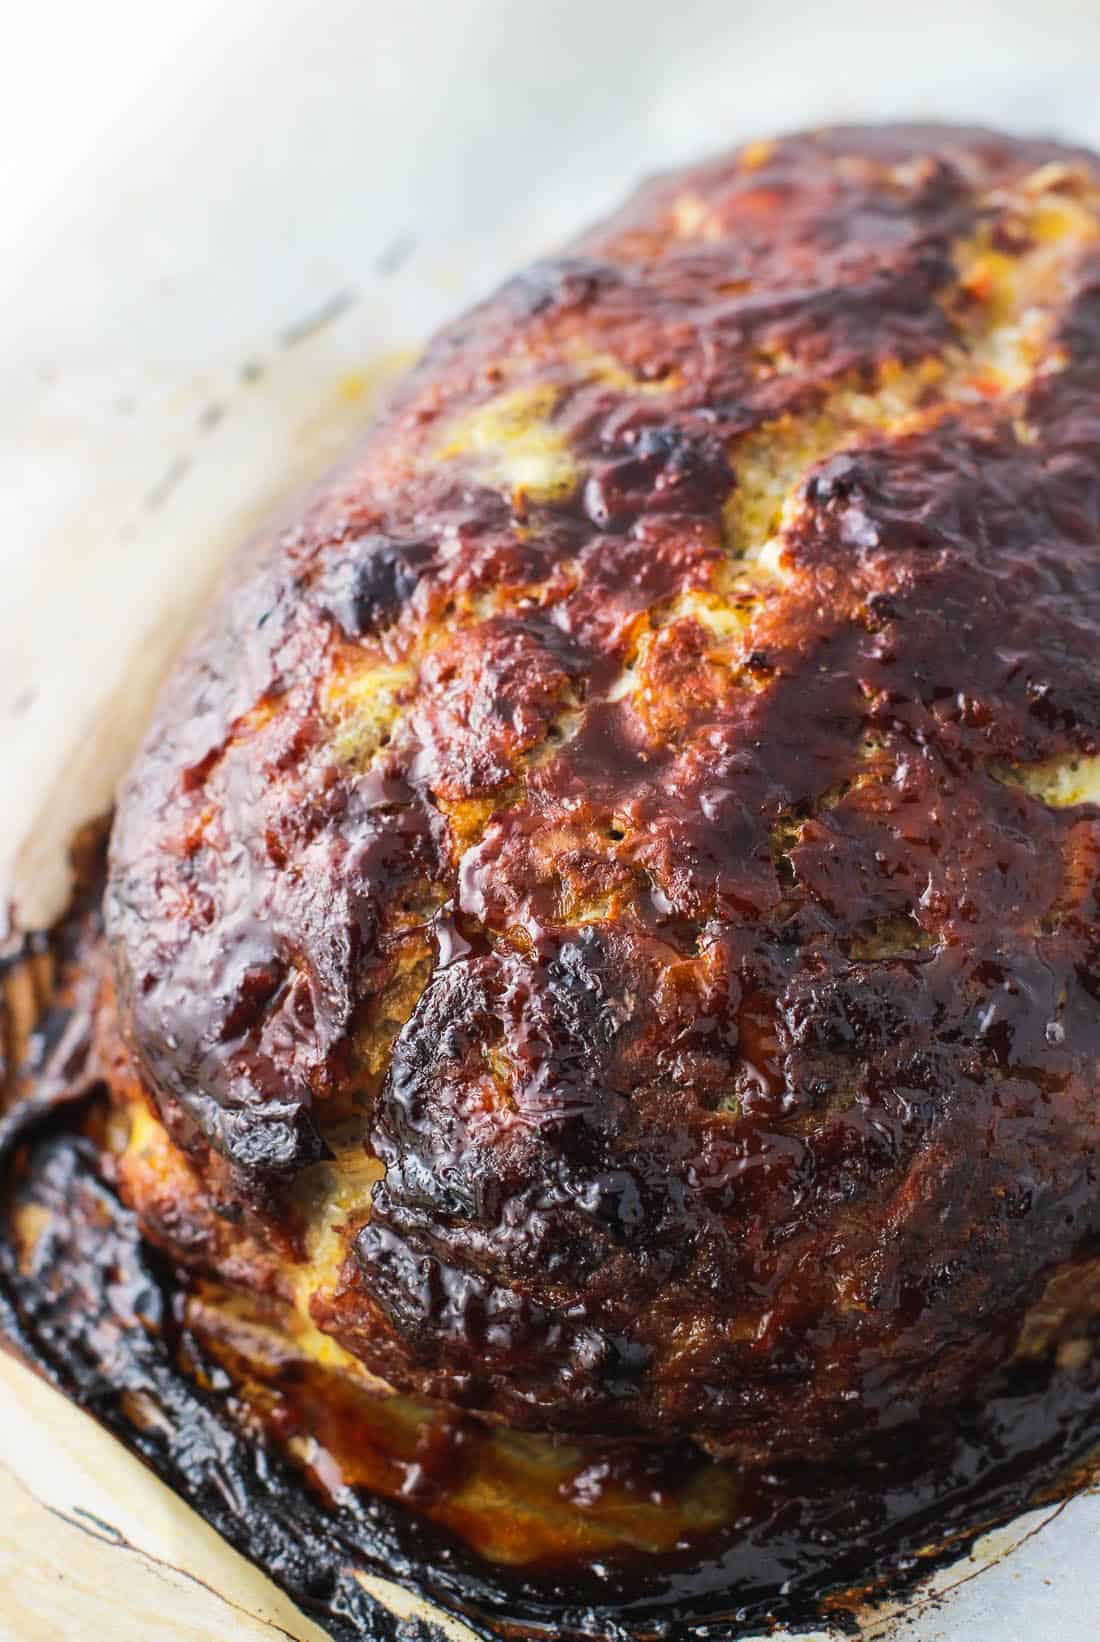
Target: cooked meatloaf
[606,919]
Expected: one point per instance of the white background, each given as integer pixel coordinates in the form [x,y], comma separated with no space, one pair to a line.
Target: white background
[178,181]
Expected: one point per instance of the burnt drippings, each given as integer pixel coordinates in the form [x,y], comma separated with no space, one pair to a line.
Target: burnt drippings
[690,638]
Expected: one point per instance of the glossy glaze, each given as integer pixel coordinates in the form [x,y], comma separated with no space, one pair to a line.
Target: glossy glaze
[659,687]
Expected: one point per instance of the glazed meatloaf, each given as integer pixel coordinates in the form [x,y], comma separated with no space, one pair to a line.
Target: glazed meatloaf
[605,922]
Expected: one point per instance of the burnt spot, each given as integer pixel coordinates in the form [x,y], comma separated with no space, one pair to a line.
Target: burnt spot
[836,480]
[559,285]
[423,1299]
[668,470]
[370,582]
[265,1140]
[580,990]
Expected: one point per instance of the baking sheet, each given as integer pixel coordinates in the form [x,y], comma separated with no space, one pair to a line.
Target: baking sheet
[205,309]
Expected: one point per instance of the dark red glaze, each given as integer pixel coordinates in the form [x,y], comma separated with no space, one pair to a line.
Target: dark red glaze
[753,1094]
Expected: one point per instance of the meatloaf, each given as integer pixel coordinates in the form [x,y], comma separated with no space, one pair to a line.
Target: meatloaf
[606,920]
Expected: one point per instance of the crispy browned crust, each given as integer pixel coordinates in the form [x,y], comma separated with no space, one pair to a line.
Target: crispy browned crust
[619,805]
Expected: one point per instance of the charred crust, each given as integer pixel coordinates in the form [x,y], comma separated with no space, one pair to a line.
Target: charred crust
[559,285]
[669,469]
[371,581]
[693,638]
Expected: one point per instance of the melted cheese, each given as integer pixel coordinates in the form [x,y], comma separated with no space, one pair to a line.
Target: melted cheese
[364,706]
[514,444]
[1059,782]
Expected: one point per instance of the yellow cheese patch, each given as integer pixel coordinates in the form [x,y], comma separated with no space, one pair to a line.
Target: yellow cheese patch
[1059,782]
[515,445]
[772,462]
[364,707]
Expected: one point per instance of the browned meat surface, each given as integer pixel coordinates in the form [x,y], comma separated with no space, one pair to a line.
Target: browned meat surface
[607,913]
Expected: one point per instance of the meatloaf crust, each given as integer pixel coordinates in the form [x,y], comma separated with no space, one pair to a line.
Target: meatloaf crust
[606,916]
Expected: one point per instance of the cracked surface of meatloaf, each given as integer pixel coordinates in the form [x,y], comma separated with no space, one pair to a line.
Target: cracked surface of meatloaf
[606,916]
